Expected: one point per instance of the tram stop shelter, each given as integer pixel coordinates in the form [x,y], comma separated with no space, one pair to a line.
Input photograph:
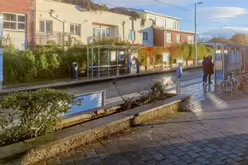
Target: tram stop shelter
[229,58]
[106,60]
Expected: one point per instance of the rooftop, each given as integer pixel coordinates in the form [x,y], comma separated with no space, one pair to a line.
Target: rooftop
[158,14]
[161,28]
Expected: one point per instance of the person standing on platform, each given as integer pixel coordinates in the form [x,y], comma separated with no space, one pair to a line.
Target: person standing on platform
[203,78]
[211,69]
[206,69]
[179,73]
[138,64]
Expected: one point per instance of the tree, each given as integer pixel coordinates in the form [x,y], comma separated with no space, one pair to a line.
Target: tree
[220,40]
[239,39]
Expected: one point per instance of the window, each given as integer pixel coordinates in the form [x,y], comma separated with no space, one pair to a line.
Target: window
[164,23]
[190,39]
[169,37]
[98,32]
[174,25]
[75,29]
[179,38]
[132,35]
[145,36]
[14,21]
[46,26]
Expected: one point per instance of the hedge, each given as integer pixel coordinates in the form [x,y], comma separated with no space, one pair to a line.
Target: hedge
[41,64]
[48,63]
[26,115]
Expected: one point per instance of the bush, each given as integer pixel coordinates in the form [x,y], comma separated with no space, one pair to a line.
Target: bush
[25,115]
[45,63]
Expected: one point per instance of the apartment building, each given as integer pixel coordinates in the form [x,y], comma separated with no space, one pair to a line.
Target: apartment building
[18,22]
[60,22]
[165,30]
[166,38]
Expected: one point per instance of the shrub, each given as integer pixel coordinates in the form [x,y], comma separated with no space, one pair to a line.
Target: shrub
[25,115]
[45,63]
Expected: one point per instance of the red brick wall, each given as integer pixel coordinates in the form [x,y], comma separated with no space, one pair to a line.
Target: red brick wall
[158,37]
[184,37]
[22,7]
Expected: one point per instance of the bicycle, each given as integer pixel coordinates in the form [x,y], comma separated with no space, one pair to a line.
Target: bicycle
[234,82]
[243,83]
[228,85]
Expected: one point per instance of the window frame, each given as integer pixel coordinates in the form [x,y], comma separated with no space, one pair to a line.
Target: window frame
[132,35]
[45,26]
[179,38]
[15,22]
[190,39]
[167,38]
[74,29]
[164,23]
[145,36]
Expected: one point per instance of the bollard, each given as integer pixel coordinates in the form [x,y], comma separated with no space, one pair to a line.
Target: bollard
[179,72]
[74,70]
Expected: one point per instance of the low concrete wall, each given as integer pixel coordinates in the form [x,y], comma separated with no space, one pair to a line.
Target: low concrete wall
[44,147]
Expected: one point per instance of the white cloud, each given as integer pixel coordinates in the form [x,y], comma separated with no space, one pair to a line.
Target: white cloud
[222,13]
[225,32]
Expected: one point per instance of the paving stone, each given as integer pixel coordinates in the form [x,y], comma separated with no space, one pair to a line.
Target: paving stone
[193,154]
[165,162]
[235,157]
[158,156]
[180,163]
[202,160]
[210,150]
[172,158]
[151,162]
[165,151]
[205,154]
[184,148]
[186,158]
[196,149]
[195,163]
[146,157]
[178,152]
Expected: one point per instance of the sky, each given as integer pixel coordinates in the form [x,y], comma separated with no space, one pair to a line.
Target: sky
[215,18]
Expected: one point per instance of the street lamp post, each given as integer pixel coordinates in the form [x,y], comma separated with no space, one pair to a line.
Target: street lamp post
[196,50]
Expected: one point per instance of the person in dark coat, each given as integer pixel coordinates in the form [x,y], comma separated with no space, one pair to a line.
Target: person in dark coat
[206,69]
[203,79]
[211,69]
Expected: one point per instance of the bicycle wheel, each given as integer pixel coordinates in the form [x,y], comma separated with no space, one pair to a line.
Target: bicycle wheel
[227,86]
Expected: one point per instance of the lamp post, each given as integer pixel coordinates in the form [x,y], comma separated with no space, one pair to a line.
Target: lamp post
[196,50]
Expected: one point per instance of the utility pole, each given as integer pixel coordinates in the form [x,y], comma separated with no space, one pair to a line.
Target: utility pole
[195,38]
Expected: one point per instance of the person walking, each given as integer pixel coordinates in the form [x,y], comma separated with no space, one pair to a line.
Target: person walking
[138,63]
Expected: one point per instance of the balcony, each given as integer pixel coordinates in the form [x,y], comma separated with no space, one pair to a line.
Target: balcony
[53,38]
[103,39]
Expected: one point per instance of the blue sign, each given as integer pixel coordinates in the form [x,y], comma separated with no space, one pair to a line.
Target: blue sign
[88,102]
